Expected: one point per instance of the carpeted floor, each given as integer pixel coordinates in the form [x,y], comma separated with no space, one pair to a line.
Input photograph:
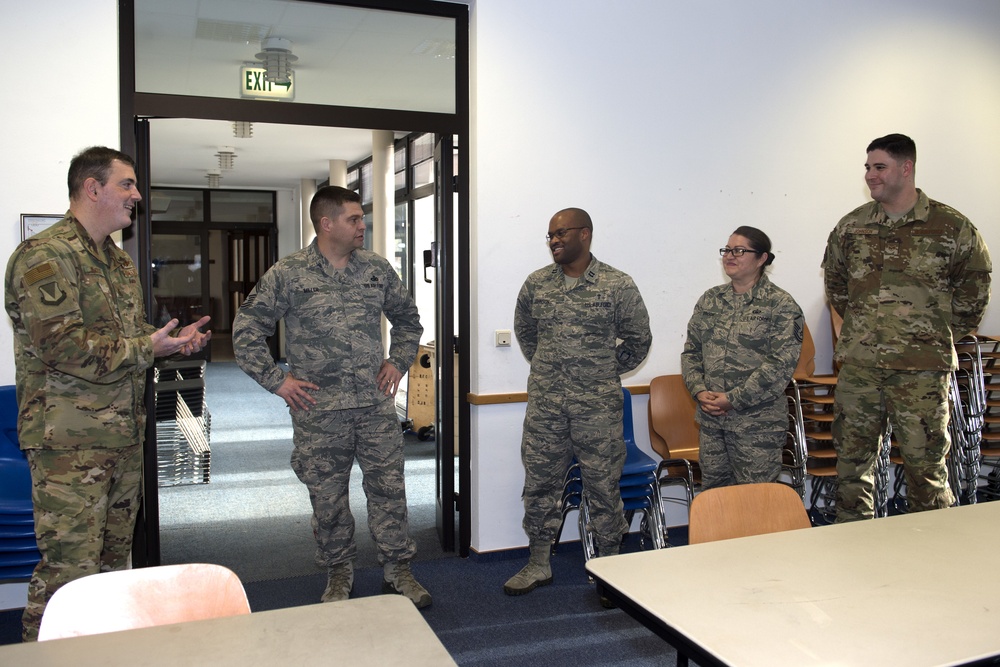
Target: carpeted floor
[558,625]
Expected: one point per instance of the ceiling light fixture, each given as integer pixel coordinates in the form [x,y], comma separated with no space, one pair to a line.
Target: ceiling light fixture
[226,156]
[276,54]
[242,129]
[213,177]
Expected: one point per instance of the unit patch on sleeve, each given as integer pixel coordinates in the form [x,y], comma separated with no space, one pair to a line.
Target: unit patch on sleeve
[50,294]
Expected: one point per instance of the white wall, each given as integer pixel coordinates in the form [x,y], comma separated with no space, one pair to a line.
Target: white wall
[71,102]
[673,123]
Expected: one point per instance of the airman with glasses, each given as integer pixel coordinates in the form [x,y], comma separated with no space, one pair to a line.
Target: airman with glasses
[743,344]
[569,319]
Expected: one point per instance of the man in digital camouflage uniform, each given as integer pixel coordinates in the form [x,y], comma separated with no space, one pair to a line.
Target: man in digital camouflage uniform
[82,347]
[339,386]
[568,319]
[910,276]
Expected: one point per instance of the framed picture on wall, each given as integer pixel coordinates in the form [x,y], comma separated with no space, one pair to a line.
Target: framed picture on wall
[32,223]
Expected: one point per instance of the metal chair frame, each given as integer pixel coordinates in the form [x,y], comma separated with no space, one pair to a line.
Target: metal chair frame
[639,487]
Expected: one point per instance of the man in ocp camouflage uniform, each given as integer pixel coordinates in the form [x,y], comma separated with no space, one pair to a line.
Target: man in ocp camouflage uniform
[82,347]
[568,320]
[339,386]
[910,276]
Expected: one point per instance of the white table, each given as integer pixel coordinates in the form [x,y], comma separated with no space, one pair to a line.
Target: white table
[918,590]
[381,630]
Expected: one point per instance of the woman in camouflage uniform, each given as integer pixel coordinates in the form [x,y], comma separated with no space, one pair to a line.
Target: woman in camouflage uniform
[743,343]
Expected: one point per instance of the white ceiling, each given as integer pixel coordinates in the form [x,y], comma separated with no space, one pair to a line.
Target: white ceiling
[347,56]
[277,156]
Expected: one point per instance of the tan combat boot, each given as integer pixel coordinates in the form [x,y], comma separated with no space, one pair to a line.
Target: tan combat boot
[399,579]
[339,582]
[536,573]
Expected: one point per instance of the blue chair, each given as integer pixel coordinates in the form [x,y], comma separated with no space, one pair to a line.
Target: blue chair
[639,488]
[18,549]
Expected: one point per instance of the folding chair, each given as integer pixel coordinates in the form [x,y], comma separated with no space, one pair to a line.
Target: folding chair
[742,510]
[673,434]
[140,598]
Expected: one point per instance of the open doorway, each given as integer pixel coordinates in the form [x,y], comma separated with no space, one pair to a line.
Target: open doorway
[392,67]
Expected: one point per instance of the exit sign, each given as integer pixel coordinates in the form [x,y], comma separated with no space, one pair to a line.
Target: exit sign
[254,83]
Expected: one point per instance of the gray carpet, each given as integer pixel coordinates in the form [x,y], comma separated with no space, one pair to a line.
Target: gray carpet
[254,515]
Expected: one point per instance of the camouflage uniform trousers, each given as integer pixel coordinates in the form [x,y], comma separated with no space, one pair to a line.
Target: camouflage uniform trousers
[85,504]
[326,445]
[916,404]
[555,432]
[747,457]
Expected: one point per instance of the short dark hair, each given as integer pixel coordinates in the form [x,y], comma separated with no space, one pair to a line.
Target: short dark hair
[899,146]
[759,241]
[94,162]
[580,216]
[328,201]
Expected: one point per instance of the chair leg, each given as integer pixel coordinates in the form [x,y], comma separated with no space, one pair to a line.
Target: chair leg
[659,527]
[586,533]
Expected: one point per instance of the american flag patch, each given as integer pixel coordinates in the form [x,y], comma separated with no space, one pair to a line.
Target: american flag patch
[40,272]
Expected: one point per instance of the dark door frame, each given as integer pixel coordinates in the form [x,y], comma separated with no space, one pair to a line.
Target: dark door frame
[136,105]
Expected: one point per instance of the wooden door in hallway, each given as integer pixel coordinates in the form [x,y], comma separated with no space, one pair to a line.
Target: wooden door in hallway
[249,254]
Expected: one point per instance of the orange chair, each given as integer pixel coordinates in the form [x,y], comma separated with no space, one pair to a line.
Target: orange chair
[140,598]
[726,512]
[673,432]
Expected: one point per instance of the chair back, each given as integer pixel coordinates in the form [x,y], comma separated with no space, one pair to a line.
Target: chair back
[836,324]
[806,367]
[140,598]
[745,509]
[15,477]
[636,460]
[673,432]
[8,419]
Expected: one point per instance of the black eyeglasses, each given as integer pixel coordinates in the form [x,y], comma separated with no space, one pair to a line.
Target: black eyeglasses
[737,252]
[560,233]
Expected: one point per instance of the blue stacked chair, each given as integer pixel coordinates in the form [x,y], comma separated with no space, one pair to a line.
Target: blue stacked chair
[18,549]
[639,488]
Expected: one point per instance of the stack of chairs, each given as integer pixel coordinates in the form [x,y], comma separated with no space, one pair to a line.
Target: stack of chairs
[989,474]
[968,412]
[639,488]
[794,454]
[18,549]
[183,424]
[809,454]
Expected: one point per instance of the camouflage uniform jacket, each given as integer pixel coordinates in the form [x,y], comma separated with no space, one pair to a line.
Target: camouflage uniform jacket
[81,342]
[746,345]
[906,289]
[570,336]
[333,326]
